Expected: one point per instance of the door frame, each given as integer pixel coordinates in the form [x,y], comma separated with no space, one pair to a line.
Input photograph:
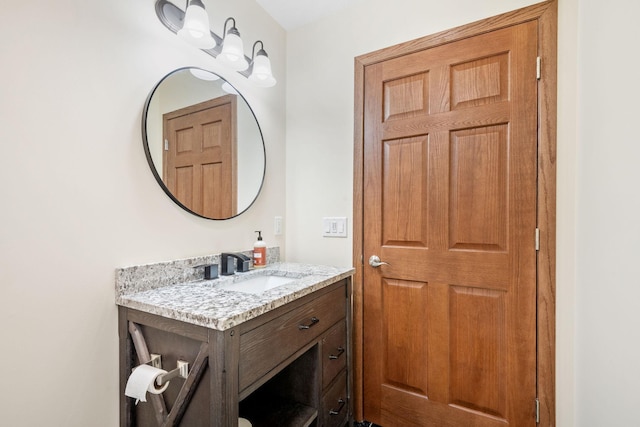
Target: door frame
[546,14]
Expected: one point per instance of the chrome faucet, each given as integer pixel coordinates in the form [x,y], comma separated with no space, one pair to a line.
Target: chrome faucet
[228,266]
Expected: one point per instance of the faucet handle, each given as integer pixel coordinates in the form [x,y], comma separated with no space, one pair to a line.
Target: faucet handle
[210,270]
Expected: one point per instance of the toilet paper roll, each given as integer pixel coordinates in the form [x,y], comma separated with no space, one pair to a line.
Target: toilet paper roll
[143,380]
[243,422]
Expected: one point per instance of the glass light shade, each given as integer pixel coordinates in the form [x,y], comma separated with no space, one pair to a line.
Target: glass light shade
[203,74]
[196,26]
[232,54]
[229,89]
[261,73]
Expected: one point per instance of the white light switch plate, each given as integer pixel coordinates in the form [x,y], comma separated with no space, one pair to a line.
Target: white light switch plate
[335,226]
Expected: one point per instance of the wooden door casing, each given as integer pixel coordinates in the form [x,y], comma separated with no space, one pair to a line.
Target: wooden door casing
[411,152]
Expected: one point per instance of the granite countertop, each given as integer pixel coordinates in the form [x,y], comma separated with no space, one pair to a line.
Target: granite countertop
[205,303]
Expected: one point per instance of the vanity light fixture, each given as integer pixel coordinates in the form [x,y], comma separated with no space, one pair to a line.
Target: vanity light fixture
[261,67]
[228,49]
[195,29]
[232,54]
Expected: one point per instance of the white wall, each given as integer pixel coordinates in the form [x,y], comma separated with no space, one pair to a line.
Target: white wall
[608,215]
[78,199]
[598,202]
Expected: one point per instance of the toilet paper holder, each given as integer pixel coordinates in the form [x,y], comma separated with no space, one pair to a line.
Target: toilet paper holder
[181,371]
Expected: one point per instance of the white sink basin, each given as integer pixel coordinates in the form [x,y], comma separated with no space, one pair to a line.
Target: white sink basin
[257,284]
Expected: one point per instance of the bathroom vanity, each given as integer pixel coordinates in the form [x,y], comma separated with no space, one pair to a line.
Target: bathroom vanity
[277,357]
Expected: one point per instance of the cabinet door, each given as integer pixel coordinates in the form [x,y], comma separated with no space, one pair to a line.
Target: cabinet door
[335,403]
[334,352]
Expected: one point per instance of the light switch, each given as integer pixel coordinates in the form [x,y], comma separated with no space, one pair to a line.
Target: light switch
[334,226]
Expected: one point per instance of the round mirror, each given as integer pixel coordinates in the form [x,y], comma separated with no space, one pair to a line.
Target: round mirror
[203,144]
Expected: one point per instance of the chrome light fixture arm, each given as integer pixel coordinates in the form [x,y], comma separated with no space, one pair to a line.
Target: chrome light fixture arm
[253,49]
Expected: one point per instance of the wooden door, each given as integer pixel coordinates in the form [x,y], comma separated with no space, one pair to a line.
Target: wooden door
[200,157]
[449,199]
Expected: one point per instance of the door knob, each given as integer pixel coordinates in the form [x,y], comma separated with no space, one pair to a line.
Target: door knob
[375,262]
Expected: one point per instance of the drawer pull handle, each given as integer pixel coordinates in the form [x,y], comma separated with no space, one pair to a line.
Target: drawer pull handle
[342,402]
[335,356]
[314,320]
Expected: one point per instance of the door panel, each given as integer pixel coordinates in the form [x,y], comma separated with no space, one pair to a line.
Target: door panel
[477,352]
[403,185]
[450,139]
[404,368]
[479,189]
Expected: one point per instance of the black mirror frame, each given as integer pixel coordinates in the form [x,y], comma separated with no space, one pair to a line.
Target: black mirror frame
[147,151]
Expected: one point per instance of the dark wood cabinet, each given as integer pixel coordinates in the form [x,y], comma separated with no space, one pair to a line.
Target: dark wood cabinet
[287,367]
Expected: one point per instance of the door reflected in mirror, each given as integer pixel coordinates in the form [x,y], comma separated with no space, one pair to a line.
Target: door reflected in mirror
[203,144]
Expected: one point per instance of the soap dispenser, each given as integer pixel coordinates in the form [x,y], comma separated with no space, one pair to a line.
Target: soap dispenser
[259,252]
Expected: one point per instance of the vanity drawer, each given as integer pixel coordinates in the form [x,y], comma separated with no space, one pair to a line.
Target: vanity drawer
[266,346]
[335,403]
[334,354]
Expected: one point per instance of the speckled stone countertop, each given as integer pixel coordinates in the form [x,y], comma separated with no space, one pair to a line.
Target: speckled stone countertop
[205,303]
